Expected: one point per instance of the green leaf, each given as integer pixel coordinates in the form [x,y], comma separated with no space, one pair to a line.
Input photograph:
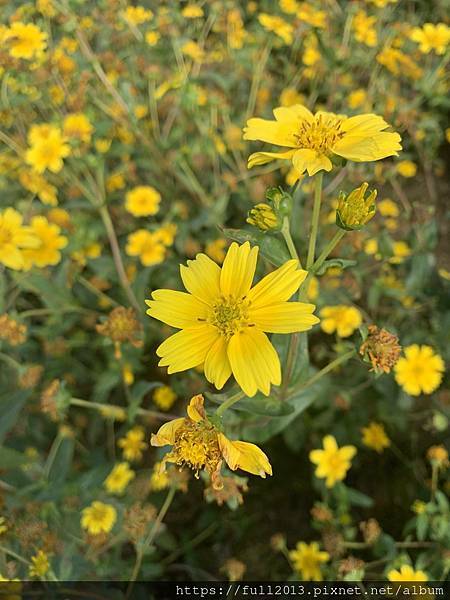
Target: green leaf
[357,498]
[11,459]
[137,393]
[422,526]
[271,247]
[342,263]
[262,405]
[11,404]
[62,460]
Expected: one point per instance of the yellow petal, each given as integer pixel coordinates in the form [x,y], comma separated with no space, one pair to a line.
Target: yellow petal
[311,161]
[166,433]
[245,456]
[363,124]
[195,409]
[361,148]
[238,270]
[261,158]
[254,361]
[293,115]
[272,132]
[329,443]
[186,348]
[201,278]
[217,366]
[12,257]
[284,317]
[177,309]
[277,286]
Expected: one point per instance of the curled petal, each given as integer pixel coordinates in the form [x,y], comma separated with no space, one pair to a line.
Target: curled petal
[245,456]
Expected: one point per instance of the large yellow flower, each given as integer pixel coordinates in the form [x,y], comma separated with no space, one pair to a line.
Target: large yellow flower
[420,370]
[431,37]
[198,444]
[223,319]
[406,573]
[50,242]
[14,238]
[26,40]
[313,139]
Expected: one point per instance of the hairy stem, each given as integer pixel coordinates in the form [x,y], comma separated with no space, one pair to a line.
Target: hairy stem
[315,220]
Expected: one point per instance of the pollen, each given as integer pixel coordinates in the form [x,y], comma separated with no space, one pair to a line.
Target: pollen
[196,447]
[229,315]
[320,134]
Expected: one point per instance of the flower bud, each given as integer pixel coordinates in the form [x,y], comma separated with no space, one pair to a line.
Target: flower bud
[280,200]
[354,210]
[264,217]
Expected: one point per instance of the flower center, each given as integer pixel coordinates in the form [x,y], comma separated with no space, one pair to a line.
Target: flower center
[196,447]
[229,315]
[319,135]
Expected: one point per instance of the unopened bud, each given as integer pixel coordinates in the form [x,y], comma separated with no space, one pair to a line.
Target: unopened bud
[354,210]
[264,218]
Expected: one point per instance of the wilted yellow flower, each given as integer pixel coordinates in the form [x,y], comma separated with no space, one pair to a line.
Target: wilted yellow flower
[98,518]
[40,564]
[438,455]
[406,168]
[147,246]
[263,217]
[431,37]
[406,573]
[198,444]
[164,397]
[142,201]
[77,125]
[343,320]
[313,139]
[374,437]
[121,326]
[355,210]
[223,319]
[307,559]
[420,370]
[381,348]
[234,569]
[332,462]
[25,40]
[277,25]
[133,444]
[119,478]
[47,149]
[14,238]
[50,242]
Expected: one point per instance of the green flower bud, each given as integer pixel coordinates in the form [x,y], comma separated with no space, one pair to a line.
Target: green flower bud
[280,200]
[354,210]
[264,218]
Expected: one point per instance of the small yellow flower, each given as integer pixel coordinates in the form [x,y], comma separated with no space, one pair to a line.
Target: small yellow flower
[137,15]
[192,11]
[363,26]
[14,238]
[164,397]
[406,168]
[388,208]
[343,320]
[25,40]
[307,559]
[159,479]
[290,96]
[354,210]
[357,98]
[152,37]
[431,37]
[78,126]
[438,455]
[98,518]
[47,149]
[147,246]
[313,139]
[119,478]
[198,444]
[216,250]
[332,462]
[133,444]
[223,319]
[142,201]
[419,507]
[420,370]
[401,251]
[166,234]
[50,243]
[37,184]
[406,573]
[277,25]
[193,50]
[374,437]
[40,564]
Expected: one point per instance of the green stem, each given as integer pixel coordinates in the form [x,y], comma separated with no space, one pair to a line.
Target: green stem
[330,367]
[10,361]
[102,407]
[286,232]
[315,220]
[231,400]
[327,250]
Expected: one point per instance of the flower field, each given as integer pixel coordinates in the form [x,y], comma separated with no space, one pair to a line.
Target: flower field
[224,291]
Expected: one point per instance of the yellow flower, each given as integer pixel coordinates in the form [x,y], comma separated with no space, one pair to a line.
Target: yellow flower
[47,148]
[307,558]
[14,238]
[398,63]
[431,37]
[40,564]
[38,185]
[137,15]
[364,29]
[290,96]
[316,18]
[119,478]
[26,40]
[98,518]
[193,50]
[159,479]
[164,397]
[406,168]
[357,98]
[354,210]
[166,234]
[388,208]
[289,6]
[332,462]
[438,456]
[223,319]
[343,320]
[133,444]
[382,3]
[50,242]
[313,139]
[115,181]
[278,25]
[263,217]
[147,246]
[419,507]
[420,370]
[198,444]
[216,250]
[406,573]
[142,201]
[401,251]
[192,11]
[152,37]
[77,125]
[3,526]
[374,437]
